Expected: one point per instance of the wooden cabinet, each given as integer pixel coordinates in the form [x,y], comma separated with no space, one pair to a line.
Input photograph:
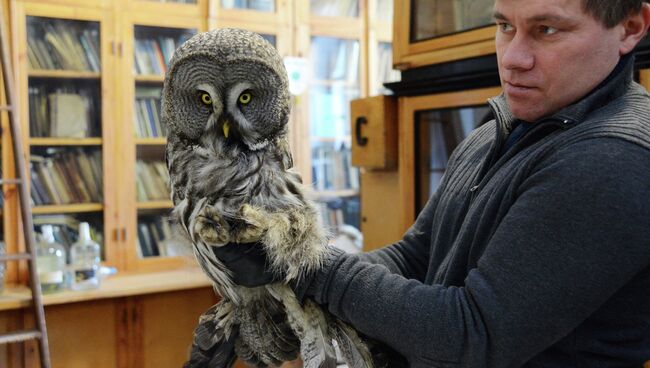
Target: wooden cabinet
[374,133]
[148,242]
[435,31]
[339,41]
[74,80]
[139,320]
[431,126]
[120,91]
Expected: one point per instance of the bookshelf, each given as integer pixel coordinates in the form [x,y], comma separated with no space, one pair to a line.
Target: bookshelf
[109,67]
[123,92]
[68,77]
[335,44]
[148,47]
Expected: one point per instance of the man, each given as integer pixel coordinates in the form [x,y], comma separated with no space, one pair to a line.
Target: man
[535,250]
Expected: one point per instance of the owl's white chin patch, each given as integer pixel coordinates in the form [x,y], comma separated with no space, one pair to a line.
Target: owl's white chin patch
[257,146]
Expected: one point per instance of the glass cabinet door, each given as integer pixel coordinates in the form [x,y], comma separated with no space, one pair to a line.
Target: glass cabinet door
[434,18]
[64,79]
[438,133]
[335,8]
[153,48]
[258,5]
[385,67]
[335,82]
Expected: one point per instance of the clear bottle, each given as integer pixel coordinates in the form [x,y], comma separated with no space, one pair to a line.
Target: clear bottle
[50,261]
[84,261]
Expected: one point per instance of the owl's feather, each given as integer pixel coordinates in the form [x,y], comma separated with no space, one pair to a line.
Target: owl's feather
[232,181]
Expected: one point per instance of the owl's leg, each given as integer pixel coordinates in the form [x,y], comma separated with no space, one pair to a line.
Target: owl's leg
[295,241]
[252,226]
[309,325]
[211,227]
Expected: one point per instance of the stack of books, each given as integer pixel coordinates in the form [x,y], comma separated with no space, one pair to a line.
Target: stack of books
[332,168]
[148,123]
[152,181]
[153,54]
[62,45]
[66,110]
[66,177]
[155,238]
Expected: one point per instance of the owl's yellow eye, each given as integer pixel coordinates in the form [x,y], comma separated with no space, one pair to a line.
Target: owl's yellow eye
[245,98]
[206,99]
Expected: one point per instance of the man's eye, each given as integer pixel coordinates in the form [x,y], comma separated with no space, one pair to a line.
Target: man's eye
[505,27]
[546,30]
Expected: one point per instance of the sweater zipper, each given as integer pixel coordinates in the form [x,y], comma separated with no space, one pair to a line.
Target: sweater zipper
[493,162]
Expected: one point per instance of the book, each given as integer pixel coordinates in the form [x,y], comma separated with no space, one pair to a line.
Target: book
[68,115]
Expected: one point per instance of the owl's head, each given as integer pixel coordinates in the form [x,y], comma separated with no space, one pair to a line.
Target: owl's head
[229,84]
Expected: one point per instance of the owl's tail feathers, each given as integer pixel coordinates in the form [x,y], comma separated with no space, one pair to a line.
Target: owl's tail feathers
[309,325]
[320,353]
[211,348]
[354,350]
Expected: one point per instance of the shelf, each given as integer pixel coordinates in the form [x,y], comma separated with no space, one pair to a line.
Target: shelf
[63,74]
[336,193]
[68,208]
[16,297]
[38,141]
[149,78]
[158,141]
[155,205]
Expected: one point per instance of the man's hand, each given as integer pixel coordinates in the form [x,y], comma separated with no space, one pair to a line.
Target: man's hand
[247,262]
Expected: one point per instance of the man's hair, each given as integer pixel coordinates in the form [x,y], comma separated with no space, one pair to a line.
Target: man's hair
[612,12]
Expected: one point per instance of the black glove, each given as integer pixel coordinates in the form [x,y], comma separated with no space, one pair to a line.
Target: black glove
[248,264]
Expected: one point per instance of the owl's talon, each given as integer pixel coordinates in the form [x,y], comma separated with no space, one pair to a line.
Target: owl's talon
[254,225]
[211,227]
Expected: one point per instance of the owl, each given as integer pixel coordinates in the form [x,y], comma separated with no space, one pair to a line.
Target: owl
[226,106]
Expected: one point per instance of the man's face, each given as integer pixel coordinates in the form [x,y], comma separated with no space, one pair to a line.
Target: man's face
[551,53]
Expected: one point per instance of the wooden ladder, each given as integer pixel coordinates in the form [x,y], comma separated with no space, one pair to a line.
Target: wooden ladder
[40,332]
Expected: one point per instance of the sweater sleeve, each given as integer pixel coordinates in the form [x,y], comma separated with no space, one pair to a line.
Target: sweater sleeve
[409,256]
[577,233]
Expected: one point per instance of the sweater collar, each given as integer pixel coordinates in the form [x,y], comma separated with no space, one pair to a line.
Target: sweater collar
[612,87]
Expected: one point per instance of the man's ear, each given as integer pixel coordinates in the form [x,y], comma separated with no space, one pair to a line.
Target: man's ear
[635,28]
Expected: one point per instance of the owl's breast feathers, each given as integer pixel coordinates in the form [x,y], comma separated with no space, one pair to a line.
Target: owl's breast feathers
[260,178]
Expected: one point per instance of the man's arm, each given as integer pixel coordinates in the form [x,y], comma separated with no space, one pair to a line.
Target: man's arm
[565,247]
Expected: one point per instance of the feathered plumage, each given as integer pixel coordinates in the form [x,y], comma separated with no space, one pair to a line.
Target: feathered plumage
[226,106]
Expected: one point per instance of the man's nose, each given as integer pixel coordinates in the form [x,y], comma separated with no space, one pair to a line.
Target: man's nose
[518,54]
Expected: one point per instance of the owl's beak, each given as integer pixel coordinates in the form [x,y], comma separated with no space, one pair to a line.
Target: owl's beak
[226,128]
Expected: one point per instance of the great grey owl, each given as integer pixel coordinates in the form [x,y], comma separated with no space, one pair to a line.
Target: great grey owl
[226,107]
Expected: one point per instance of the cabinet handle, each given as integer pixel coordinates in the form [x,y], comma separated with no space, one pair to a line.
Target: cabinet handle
[123,234]
[116,235]
[361,141]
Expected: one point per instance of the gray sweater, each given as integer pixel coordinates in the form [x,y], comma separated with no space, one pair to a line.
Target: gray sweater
[537,258]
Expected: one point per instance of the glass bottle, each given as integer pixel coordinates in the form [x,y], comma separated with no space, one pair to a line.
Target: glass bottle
[50,261]
[84,261]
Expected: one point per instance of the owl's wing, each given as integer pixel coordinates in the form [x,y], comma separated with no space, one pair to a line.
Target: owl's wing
[355,352]
[211,348]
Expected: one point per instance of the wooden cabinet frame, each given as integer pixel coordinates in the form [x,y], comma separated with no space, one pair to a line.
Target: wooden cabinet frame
[407,109]
[107,77]
[129,144]
[462,45]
